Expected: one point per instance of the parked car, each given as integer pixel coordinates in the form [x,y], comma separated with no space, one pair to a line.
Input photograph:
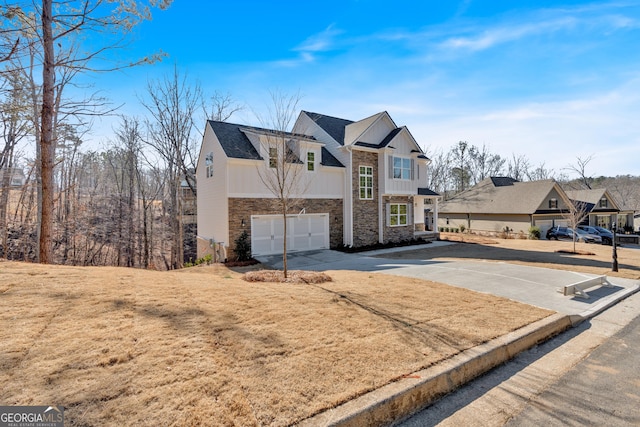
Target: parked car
[566,233]
[583,236]
[558,233]
[605,235]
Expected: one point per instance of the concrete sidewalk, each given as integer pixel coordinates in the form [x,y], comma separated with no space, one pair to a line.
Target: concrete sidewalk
[530,285]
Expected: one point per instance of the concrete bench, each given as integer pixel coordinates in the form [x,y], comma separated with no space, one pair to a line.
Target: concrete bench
[578,289]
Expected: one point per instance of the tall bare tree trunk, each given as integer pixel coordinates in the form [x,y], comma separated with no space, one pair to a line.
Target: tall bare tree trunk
[47,148]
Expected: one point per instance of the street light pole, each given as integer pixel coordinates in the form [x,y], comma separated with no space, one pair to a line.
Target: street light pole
[614,266]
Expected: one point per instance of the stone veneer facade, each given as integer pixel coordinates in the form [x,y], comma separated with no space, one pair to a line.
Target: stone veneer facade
[240,208]
[400,233]
[365,212]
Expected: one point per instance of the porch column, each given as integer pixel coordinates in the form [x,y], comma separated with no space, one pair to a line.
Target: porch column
[435,215]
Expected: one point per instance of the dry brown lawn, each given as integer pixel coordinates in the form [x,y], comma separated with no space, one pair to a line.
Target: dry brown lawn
[201,346]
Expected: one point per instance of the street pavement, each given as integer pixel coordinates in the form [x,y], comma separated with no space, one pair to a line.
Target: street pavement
[587,376]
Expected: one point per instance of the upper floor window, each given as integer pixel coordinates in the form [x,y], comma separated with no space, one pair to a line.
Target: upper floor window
[311,161]
[273,157]
[401,168]
[604,202]
[208,161]
[553,203]
[366,182]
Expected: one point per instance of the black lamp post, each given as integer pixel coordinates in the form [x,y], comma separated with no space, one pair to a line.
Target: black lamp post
[614,266]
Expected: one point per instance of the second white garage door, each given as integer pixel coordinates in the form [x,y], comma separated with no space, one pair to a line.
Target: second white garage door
[304,233]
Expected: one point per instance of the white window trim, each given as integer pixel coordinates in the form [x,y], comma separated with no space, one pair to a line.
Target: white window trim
[208,160]
[403,167]
[273,157]
[360,186]
[314,162]
[399,215]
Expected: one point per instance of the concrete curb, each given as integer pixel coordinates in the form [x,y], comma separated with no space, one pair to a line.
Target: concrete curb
[594,311]
[406,396]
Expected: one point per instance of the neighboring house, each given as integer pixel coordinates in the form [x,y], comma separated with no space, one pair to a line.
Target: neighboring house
[16,177]
[498,204]
[603,208]
[364,183]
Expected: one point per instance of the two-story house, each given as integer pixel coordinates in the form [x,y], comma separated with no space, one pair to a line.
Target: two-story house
[363,183]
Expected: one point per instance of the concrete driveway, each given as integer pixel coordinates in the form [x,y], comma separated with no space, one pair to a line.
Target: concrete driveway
[531,285]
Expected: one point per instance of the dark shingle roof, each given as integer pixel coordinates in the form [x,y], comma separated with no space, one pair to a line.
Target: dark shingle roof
[334,126]
[329,160]
[233,141]
[385,142]
[502,181]
[390,137]
[427,192]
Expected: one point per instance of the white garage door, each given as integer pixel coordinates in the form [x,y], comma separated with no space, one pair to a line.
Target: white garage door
[304,233]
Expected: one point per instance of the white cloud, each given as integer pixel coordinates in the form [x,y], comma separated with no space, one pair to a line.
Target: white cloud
[321,42]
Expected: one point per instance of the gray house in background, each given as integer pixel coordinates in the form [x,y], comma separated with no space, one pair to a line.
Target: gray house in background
[498,204]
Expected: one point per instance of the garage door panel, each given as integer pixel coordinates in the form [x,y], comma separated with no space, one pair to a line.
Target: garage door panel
[304,232]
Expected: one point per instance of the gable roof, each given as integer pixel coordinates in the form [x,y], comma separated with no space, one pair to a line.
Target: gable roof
[334,126]
[386,141]
[502,195]
[235,143]
[592,197]
[355,130]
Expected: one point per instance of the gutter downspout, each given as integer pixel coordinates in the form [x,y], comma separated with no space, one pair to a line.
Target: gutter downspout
[348,232]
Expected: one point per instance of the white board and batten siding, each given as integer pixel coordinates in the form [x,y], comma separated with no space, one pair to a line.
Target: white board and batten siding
[244,181]
[304,232]
[212,201]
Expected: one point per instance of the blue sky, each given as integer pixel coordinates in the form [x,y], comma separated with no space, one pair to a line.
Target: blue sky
[545,79]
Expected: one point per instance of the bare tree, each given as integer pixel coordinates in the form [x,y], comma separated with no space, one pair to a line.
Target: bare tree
[577,211]
[222,107]
[173,104]
[62,25]
[542,172]
[483,163]
[518,167]
[580,168]
[438,172]
[460,156]
[14,125]
[283,176]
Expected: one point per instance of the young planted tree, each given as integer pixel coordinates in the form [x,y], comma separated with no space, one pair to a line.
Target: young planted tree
[284,175]
[576,213]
